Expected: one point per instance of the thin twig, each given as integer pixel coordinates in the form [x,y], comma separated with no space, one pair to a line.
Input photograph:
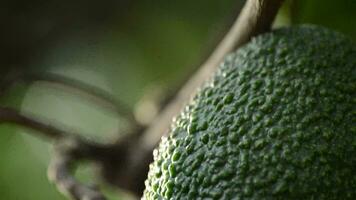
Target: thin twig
[255,18]
[71,149]
[94,93]
[90,92]
[60,172]
[10,115]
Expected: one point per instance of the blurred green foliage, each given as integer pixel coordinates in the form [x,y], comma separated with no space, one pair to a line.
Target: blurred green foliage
[338,15]
[134,48]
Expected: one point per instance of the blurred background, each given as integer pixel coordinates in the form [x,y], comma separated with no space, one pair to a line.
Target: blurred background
[139,51]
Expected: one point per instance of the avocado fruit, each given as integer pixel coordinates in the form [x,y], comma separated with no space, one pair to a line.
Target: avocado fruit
[277,121]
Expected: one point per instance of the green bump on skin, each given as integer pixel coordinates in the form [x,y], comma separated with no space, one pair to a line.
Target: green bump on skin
[276,122]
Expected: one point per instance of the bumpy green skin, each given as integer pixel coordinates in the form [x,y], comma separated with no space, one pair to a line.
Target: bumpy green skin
[277,121]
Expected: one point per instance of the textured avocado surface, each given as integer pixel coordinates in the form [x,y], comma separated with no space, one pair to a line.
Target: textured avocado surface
[277,121]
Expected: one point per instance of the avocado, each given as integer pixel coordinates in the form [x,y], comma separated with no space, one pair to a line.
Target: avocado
[277,121]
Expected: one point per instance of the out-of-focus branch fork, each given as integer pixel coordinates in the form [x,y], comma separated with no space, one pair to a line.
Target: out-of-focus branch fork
[72,148]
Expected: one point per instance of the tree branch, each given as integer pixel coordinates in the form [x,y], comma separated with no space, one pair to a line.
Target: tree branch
[70,149]
[89,92]
[60,171]
[255,18]
[93,93]
[10,115]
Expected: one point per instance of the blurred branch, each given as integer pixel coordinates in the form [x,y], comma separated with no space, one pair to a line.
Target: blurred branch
[93,93]
[255,18]
[60,171]
[89,92]
[10,115]
[71,149]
